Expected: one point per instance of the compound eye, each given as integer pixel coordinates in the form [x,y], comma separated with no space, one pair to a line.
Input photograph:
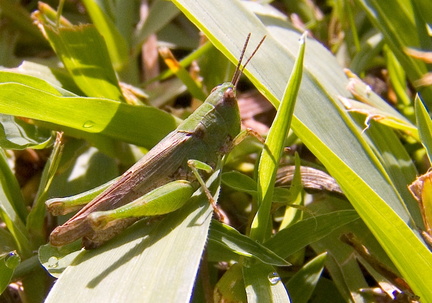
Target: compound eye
[229,94]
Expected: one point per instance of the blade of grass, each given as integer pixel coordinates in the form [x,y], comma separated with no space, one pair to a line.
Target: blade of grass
[36,218]
[17,134]
[269,162]
[191,83]
[424,126]
[117,46]
[293,238]
[229,238]
[12,208]
[141,125]
[303,283]
[161,13]
[263,284]
[92,71]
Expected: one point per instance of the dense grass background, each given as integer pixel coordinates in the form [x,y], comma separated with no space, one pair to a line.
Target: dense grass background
[95,74]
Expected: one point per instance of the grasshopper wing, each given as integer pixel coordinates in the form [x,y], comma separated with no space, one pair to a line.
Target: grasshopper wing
[159,166]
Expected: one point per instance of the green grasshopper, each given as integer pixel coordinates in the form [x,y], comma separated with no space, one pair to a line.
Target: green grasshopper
[166,177]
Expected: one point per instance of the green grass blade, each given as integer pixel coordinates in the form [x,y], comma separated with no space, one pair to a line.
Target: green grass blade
[270,157]
[424,126]
[225,289]
[297,236]
[344,269]
[116,44]
[160,13]
[36,218]
[302,284]
[92,71]
[263,284]
[134,124]
[6,270]
[192,84]
[380,116]
[16,134]
[231,239]
[12,208]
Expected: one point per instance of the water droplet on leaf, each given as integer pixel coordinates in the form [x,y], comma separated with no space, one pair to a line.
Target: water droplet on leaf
[274,278]
[53,262]
[88,124]
[12,260]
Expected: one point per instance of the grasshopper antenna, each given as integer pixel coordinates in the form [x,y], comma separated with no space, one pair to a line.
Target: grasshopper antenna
[239,70]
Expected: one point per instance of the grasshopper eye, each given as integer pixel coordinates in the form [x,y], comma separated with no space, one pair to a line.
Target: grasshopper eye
[229,94]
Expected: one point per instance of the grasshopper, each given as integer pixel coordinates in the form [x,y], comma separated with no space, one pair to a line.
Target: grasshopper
[166,177]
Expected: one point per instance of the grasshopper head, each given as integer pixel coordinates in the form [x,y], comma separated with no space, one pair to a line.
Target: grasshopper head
[225,103]
[224,93]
